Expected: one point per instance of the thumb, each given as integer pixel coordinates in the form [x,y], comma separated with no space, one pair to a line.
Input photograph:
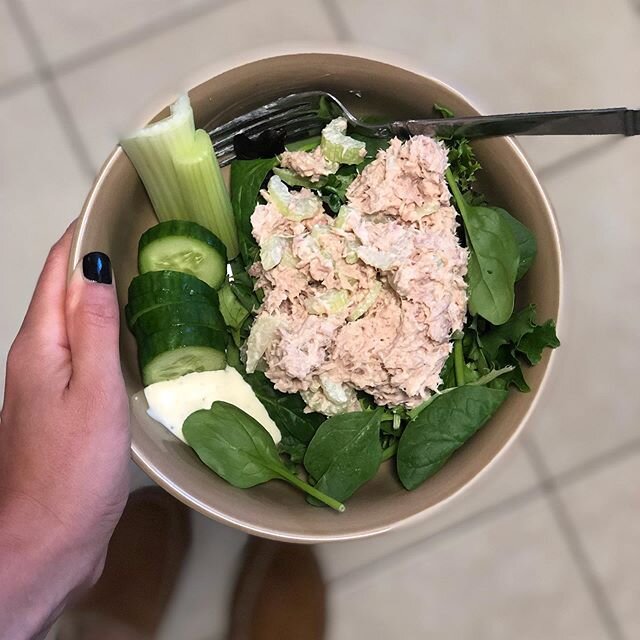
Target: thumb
[93,322]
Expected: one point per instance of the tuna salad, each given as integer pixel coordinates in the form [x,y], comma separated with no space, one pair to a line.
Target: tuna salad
[347,301]
[367,300]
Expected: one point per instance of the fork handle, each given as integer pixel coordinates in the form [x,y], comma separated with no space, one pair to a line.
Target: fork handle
[620,121]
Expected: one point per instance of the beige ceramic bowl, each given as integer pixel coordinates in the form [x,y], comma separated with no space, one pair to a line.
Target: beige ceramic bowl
[117,211]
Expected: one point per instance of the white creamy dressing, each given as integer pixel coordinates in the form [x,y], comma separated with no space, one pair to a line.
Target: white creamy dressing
[173,401]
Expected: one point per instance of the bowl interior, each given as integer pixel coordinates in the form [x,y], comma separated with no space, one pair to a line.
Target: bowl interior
[117,212]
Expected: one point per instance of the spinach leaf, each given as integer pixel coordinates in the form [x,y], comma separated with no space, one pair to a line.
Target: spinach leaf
[533,343]
[247,177]
[233,357]
[237,447]
[526,241]
[285,409]
[502,346]
[448,373]
[373,146]
[235,314]
[493,259]
[345,453]
[292,448]
[509,333]
[242,286]
[328,109]
[306,144]
[240,450]
[514,377]
[232,311]
[442,428]
[442,111]
[334,190]
[522,334]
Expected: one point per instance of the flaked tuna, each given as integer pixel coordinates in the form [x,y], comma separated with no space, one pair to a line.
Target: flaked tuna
[367,301]
[308,164]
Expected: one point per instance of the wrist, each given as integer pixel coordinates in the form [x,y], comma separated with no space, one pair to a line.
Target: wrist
[40,568]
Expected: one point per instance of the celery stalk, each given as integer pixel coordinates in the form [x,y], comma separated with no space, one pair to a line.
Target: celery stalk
[180,172]
[204,191]
[151,150]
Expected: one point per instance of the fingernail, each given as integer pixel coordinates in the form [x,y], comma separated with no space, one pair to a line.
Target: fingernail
[96,267]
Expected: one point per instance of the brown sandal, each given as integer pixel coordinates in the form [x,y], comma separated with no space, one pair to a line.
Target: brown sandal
[279,594]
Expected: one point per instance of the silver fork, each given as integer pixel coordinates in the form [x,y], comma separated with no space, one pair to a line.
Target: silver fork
[304,114]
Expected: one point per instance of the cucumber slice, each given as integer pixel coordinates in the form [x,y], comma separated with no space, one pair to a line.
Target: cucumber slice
[159,281]
[194,314]
[174,352]
[161,298]
[179,245]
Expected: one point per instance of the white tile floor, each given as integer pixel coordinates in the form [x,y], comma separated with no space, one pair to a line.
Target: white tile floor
[546,545]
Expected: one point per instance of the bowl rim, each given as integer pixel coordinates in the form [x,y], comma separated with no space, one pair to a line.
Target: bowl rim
[370,55]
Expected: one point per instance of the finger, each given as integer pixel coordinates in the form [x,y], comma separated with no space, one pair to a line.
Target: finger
[45,317]
[93,323]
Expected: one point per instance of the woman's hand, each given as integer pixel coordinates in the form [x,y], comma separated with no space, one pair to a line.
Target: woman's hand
[64,443]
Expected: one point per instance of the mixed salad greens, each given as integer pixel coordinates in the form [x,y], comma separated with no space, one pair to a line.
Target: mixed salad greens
[193,306]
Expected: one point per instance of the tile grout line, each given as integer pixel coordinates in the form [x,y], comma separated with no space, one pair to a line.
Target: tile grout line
[565,478]
[54,94]
[68,123]
[550,488]
[337,20]
[117,43]
[597,463]
[134,37]
[512,503]
[18,83]
[120,42]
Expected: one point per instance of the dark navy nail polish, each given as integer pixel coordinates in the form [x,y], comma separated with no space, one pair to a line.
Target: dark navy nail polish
[96,266]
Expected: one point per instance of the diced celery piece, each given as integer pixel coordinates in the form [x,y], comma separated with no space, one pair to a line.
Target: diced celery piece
[338,147]
[341,218]
[288,259]
[304,205]
[344,212]
[351,257]
[428,209]
[298,206]
[272,251]
[320,232]
[336,392]
[279,194]
[204,191]
[151,150]
[294,180]
[328,303]
[367,302]
[318,399]
[262,334]
[383,260]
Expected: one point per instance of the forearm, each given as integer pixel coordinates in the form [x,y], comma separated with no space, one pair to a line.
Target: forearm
[39,571]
